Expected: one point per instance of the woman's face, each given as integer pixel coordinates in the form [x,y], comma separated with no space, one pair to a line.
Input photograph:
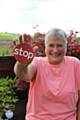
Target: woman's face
[55,50]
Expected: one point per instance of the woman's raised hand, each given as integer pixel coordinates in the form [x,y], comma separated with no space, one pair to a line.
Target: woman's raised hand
[23,51]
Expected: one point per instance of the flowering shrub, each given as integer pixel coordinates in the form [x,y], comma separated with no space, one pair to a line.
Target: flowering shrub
[38,44]
[73,48]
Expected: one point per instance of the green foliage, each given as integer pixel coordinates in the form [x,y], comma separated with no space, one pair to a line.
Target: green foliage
[78,39]
[8,36]
[6,43]
[5,51]
[8,97]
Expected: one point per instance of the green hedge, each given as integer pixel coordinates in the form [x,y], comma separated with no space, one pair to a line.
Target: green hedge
[8,97]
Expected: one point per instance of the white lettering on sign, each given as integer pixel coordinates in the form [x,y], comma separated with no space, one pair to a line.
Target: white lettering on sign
[23,53]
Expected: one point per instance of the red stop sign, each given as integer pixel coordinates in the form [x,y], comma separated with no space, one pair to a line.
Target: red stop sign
[23,53]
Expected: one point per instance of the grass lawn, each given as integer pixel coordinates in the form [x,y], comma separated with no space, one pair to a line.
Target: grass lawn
[6,43]
[8,36]
[5,51]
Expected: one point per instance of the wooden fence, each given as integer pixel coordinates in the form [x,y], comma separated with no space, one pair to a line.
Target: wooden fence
[6,66]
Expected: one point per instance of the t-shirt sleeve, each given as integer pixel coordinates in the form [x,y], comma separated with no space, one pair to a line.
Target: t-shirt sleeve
[36,62]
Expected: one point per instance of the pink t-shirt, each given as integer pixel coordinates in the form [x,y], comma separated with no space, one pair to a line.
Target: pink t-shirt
[53,94]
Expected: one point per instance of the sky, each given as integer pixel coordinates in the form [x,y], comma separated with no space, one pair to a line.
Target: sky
[30,16]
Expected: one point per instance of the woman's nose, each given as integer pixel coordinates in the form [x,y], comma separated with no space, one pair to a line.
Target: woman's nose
[55,49]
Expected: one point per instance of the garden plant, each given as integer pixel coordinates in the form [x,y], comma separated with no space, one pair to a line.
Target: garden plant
[8,97]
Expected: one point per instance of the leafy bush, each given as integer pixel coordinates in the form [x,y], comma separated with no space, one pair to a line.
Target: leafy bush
[73,48]
[8,97]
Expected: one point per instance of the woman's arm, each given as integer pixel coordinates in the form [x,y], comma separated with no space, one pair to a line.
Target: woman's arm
[24,71]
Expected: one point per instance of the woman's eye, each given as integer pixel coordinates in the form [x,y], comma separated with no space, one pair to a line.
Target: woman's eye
[57,46]
[51,45]
[60,46]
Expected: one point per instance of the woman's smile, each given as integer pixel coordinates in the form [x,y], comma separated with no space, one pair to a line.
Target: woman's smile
[55,50]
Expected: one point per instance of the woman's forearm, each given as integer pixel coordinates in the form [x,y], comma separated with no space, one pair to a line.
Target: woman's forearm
[24,71]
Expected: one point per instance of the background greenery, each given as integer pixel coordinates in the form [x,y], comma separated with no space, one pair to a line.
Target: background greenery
[5,51]
[8,36]
[78,39]
[8,97]
[6,43]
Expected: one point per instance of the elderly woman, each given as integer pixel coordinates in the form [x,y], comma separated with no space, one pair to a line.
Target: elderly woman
[54,81]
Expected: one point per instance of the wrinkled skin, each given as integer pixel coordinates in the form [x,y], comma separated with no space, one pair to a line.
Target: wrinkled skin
[55,50]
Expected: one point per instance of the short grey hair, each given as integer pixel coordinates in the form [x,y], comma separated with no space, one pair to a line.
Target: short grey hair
[55,32]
